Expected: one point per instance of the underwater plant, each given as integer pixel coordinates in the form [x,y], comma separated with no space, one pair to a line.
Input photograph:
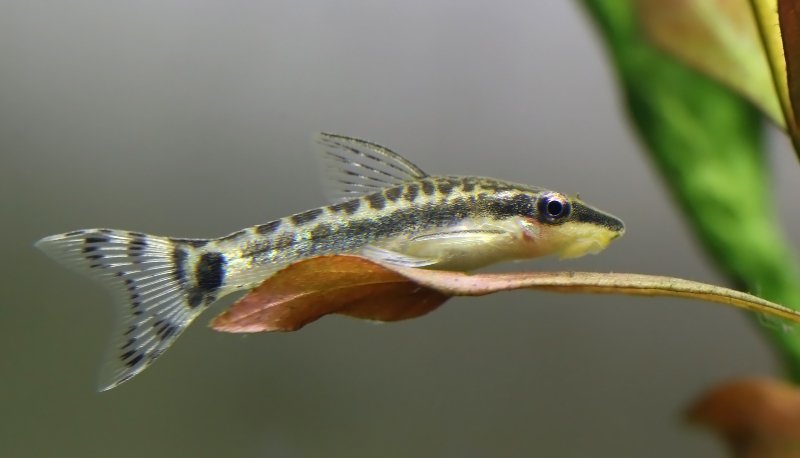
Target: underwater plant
[699,77]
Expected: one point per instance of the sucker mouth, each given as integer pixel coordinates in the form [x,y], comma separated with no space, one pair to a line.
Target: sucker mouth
[590,244]
[582,247]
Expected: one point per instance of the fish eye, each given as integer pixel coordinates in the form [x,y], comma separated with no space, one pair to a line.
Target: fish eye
[553,207]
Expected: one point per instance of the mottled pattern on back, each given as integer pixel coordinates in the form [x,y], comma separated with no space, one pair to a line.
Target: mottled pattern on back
[346,227]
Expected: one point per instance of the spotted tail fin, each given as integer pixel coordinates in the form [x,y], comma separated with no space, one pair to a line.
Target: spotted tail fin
[147,276]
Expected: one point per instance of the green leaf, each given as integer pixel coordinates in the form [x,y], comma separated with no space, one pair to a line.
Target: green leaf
[706,142]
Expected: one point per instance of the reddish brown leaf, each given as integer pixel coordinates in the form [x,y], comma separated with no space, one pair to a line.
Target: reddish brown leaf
[756,417]
[358,287]
[310,289]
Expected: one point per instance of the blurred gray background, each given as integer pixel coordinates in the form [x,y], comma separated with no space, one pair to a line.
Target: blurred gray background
[194,119]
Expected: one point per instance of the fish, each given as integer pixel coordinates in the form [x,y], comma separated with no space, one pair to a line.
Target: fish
[381,206]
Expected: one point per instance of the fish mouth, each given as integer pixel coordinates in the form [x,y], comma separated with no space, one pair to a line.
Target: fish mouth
[586,231]
[582,238]
[588,245]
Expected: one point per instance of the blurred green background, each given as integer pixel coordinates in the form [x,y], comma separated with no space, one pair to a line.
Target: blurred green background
[195,119]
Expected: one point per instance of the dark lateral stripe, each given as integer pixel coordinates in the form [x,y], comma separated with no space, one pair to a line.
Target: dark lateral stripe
[396,221]
[352,233]
[306,217]
[517,205]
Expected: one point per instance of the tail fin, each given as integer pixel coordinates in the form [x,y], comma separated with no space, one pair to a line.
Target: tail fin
[147,278]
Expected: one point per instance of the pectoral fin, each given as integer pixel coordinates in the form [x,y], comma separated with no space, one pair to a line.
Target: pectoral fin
[462,236]
[462,249]
[387,256]
[459,249]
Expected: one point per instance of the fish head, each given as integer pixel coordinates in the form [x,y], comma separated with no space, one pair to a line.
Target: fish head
[568,227]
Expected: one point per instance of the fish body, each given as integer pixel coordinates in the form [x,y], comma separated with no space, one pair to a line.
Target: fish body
[384,207]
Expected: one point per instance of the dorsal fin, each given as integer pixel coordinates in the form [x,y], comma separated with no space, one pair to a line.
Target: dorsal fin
[351,167]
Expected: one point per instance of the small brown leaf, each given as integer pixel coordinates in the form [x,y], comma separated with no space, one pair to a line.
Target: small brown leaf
[756,417]
[350,285]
